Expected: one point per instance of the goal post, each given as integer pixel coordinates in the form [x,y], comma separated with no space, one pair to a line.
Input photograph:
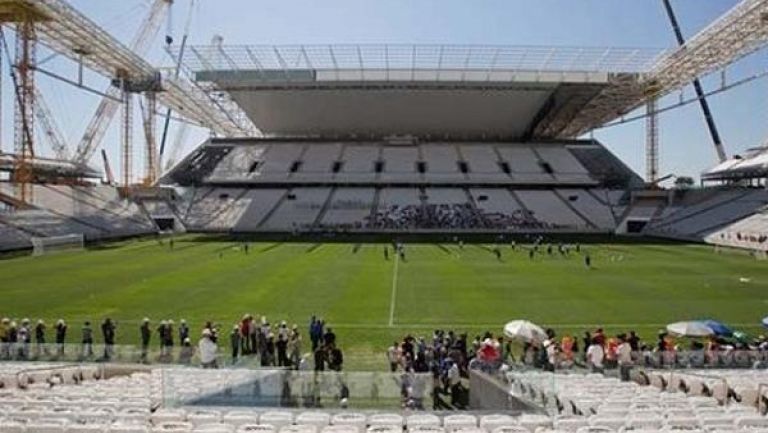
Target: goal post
[54,244]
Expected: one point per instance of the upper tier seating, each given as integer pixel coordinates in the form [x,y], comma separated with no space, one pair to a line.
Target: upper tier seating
[441,162]
[524,164]
[317,162]
[305,162]
[358,163]
[482,163]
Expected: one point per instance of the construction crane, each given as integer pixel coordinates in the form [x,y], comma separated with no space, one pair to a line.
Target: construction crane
[718,143]
[109,105]
[49,128]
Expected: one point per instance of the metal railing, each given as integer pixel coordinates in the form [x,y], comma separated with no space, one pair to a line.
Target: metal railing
[406,57]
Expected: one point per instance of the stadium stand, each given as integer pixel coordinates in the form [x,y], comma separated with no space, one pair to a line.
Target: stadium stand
[97,212]
[750,233]
[697,220]
[300,207]
[581,401]
[290,184]
[101,398]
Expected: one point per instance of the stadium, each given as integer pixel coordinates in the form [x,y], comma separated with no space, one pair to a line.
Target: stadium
[373,238]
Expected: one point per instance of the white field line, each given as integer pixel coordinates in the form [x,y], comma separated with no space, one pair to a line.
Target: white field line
[393,298]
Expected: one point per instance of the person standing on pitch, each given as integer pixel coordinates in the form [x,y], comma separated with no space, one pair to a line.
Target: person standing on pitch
[183,330]
[87,339]
[108,332]
[146,335]
[61,335]
[40,338]
[588,261]
[234,341]
[168,342]
[208,350]
[161,330]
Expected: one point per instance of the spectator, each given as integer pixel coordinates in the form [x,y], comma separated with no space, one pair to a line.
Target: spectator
[5,324]
[61,336]
[108,332]
[454,382]
[320,358]
[183,331]
[294,347]
[234,340]
[624,356]
[282,347]
[186,352]
[393,357]
[40,338]
[87,340]
[24,338]
[146,335]
[168,340]
[335,358]
[329,338]
[208,349]
[595,356]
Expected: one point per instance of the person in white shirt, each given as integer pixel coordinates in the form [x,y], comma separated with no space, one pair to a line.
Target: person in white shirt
[393,357]
[595,356]
[208,350]
[624,357]
[454,380]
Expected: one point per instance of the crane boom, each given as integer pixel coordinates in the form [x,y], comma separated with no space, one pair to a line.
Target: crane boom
[108,106]
[49,127]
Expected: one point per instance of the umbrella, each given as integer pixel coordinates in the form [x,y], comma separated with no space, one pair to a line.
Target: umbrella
[718,327]
[524,330]
[690,329]
[765,321]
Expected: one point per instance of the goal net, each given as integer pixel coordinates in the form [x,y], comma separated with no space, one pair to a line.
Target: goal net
[53,244]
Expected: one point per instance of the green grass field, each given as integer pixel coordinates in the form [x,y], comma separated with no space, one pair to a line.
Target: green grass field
[370,301]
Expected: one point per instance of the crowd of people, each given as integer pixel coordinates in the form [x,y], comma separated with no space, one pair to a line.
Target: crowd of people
[447,356]
[267,345]
[452,216]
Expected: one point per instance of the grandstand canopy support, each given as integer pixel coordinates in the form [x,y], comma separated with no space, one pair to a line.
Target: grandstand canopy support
[652,142]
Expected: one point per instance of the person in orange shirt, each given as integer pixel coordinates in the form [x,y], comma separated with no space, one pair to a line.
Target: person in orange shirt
[611,352]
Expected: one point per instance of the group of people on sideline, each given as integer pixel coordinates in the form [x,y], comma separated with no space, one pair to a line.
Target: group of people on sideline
[268,345]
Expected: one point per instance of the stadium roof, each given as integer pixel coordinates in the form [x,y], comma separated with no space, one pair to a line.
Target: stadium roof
[457,91]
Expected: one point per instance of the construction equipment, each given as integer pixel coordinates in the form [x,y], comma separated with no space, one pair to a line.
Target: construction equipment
[107,168]
[716,141]
[108,106]
[50,129]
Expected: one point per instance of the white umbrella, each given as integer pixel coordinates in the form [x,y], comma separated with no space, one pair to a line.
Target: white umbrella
[690,329]
[524,330]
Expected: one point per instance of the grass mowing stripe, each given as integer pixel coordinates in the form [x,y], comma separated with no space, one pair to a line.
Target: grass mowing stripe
[394,292]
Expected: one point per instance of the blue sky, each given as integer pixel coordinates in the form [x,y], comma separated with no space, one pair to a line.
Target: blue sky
[686,147]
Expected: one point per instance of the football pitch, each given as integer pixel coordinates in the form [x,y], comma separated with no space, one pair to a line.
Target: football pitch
[369,301]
